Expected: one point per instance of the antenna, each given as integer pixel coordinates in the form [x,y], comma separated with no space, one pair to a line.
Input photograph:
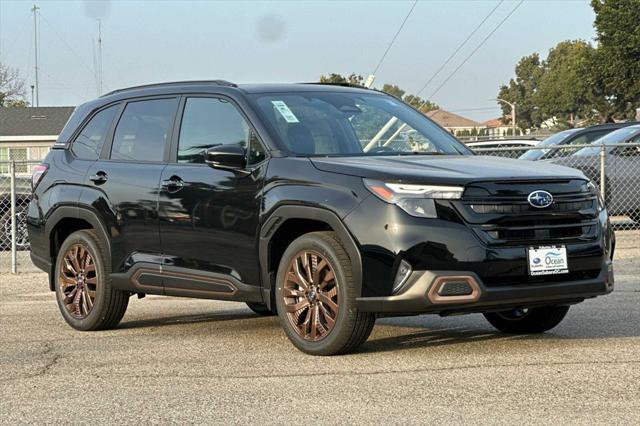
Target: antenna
[35,9]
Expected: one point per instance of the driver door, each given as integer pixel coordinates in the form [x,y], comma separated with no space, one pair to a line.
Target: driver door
[209,217]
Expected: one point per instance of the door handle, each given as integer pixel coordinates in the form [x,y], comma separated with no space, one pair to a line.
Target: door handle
[98,178]
[173,183]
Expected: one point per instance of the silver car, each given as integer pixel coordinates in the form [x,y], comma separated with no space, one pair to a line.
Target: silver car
[622,160]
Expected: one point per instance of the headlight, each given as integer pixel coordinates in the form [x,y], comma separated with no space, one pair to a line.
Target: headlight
[596,191]
[417,200]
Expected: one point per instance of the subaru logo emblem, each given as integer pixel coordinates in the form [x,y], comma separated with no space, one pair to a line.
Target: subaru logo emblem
[540,199]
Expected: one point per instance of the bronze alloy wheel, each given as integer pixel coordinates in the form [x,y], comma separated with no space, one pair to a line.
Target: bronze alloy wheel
[78,281]
[311,295]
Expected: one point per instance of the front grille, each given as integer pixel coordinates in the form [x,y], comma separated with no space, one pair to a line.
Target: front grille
[500,214]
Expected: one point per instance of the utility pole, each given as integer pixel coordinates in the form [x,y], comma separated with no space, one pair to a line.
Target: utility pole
[99,71]
[513,113]
[32,104]
[35,9]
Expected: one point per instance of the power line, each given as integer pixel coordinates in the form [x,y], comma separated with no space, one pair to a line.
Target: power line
[384,55]
[67,45]
[476,49]
[455,52]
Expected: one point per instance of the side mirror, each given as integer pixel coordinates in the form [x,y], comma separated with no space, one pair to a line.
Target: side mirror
[226,157]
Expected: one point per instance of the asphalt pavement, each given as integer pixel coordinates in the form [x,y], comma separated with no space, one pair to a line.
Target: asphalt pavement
[178,360]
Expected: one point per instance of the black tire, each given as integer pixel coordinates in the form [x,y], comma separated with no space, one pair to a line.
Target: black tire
[260,309]
[530,321]
[351,327]
[110,304]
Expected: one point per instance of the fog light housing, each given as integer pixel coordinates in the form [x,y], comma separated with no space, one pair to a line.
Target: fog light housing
[403,272]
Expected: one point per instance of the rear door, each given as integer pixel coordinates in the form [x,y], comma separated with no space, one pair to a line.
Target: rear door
[124,182]
[209,217]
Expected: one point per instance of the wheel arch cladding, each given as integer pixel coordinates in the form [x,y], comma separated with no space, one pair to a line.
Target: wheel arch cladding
[286,224]
[66,220]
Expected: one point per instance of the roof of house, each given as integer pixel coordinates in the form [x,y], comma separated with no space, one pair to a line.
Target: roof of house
[33,121]
[449,119]
[496,122]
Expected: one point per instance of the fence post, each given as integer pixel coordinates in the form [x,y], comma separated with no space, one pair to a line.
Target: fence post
[14,254]
[603,154]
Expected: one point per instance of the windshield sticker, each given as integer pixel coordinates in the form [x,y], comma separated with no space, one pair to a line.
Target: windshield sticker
[285,112]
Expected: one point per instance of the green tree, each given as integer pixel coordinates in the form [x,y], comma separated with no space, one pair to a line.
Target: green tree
[352,78]
[423,105]
[616,64]
[12,91]
[563,88]
[522,91]
[393,90]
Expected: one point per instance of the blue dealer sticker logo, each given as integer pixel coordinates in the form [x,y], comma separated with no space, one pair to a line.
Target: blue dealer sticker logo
[540,199]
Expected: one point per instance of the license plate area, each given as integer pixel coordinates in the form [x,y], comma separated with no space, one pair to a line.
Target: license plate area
[547,260]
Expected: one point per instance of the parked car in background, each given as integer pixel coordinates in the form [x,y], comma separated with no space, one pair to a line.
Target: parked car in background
[622,187]
[22,197]
[500,144]
[569,138]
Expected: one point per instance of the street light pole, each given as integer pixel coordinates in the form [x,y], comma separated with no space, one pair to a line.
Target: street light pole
[513,113]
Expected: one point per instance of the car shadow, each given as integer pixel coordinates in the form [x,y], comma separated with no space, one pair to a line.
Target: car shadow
[189,319]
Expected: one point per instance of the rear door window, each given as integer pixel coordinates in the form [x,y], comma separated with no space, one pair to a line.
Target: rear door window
[143,130]
[88,144]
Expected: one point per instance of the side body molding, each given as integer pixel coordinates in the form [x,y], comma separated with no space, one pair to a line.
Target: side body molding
[279,216]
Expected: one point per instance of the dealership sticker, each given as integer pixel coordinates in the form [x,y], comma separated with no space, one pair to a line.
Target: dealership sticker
[548,260]
[285,112]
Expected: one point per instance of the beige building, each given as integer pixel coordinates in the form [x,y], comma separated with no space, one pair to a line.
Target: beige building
[497,128]
[456,124]
[26,134]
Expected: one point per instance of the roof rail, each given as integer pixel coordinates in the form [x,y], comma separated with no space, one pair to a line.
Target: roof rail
[359,86]
[172,83]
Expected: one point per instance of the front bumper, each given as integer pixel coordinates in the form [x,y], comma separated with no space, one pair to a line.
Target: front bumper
[416,298]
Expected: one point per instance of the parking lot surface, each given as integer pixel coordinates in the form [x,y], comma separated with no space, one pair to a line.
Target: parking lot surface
[197,361]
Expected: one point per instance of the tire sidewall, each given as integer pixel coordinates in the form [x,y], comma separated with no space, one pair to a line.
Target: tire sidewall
[97,313]
[335,338]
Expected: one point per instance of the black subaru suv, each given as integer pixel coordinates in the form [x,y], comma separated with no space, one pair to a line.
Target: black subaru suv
[327,205]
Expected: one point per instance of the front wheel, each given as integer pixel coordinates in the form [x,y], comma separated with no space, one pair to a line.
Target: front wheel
[316,297]
[527,321]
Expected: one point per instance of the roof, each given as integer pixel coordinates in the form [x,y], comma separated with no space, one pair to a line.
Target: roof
[33,121]
[182,86]
[449,119]
[496,122]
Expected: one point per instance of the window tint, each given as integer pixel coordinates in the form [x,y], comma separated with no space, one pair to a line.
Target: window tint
[88,143]
[208,122]
[143,130]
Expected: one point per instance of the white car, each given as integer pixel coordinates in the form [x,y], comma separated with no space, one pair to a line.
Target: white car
[497,147]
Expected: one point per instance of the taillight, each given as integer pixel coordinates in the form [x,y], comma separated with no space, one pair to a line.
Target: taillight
[38,172]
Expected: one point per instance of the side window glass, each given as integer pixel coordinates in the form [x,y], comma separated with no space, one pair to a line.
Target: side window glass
[592,136]
[88,144]
[143,130]
[209,122]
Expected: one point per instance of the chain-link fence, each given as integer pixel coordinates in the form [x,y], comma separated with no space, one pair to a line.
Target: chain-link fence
[614,168]
[15,193]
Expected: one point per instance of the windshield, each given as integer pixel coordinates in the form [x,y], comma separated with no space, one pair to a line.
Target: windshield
[338,123]
[552,140]
[619,136]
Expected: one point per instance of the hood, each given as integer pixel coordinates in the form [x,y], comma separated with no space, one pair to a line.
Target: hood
[459,169]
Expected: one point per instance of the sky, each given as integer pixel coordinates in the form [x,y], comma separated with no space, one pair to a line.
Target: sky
[285,41]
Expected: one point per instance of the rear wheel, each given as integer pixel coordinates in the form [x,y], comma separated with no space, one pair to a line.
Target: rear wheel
[84,293]
[527,321]
[315,297]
